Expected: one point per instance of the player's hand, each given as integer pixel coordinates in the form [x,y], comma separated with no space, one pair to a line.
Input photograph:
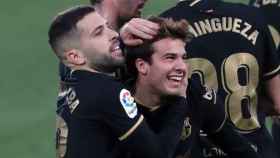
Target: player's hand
[137,29]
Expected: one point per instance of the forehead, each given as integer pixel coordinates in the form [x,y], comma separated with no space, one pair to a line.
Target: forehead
[169,45]
[91,21]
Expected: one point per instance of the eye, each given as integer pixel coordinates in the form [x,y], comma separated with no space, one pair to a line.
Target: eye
[98,31]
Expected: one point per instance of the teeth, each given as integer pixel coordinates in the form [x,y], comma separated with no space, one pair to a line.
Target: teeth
[116,48]
[176,78]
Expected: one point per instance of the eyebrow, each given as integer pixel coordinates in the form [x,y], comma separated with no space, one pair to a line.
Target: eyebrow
[175,54]
[170,53]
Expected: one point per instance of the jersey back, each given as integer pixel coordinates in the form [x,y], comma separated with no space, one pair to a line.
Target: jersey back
[231,52]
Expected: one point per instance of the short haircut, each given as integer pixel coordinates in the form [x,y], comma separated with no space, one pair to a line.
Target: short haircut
[168,29]
[63,29]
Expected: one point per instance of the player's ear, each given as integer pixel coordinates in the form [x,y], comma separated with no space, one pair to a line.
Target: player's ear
[142,66]
[75,57]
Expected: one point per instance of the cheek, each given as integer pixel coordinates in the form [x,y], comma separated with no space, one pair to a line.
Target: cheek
[101,43]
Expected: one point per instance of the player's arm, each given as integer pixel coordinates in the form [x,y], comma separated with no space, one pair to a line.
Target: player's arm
[222,133]
[271,74]
[219,129]
[134,133]
[232,142]
[137,29]
[146,143]
[273,90]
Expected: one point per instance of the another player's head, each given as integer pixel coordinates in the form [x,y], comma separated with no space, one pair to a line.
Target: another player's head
[159,64]
[82,39]
[122,10]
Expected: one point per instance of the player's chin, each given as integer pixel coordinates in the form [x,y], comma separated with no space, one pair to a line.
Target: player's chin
[119,62]
[173,91]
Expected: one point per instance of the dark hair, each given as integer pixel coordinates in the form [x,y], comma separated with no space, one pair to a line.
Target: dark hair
[168,29]
[94,1]
[64,26]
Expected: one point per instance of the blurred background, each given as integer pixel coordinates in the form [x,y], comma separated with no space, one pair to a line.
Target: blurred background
[29,80]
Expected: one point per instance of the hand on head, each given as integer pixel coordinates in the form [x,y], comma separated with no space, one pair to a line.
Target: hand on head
[137,29]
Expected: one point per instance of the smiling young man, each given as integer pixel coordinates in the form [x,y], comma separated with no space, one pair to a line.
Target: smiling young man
[158,70]
[99,117]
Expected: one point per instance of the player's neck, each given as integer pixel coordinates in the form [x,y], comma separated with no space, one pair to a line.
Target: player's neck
[144,95]
[85,68]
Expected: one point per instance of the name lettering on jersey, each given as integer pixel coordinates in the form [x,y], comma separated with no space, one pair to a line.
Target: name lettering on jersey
[127,102]
[72,100]
[225,24]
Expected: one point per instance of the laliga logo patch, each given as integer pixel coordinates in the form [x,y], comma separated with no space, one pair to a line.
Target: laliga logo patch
[128,103]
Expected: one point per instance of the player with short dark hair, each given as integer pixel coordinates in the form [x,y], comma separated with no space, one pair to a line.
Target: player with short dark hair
[157,69]
[100,117]
[117,12]
[233,52]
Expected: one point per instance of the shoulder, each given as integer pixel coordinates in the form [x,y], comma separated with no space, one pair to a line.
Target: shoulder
[245,12]
[97,83]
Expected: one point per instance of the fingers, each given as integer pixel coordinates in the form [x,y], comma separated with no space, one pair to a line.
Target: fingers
[137,29]
[133,42]
[143,28]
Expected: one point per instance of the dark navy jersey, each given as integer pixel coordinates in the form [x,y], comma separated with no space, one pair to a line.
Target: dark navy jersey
[271,10]
[232,51]
[99,118]
[202,104]
[276,135]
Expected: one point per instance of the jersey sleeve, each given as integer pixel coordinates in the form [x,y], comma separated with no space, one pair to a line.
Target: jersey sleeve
[120,113]
[122,116]
[271,65]
[232,143]
[166,139]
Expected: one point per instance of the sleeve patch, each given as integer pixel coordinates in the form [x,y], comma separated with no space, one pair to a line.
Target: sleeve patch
[127,102]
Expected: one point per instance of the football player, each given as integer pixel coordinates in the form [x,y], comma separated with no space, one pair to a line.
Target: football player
[99,116]
[158,69]
[233,52]
[271,10]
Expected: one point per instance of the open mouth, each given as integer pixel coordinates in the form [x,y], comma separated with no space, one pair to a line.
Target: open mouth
[116,50]
[176,78]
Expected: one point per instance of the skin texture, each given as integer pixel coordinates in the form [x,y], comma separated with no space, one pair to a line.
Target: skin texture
[165,74]
[99,48]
